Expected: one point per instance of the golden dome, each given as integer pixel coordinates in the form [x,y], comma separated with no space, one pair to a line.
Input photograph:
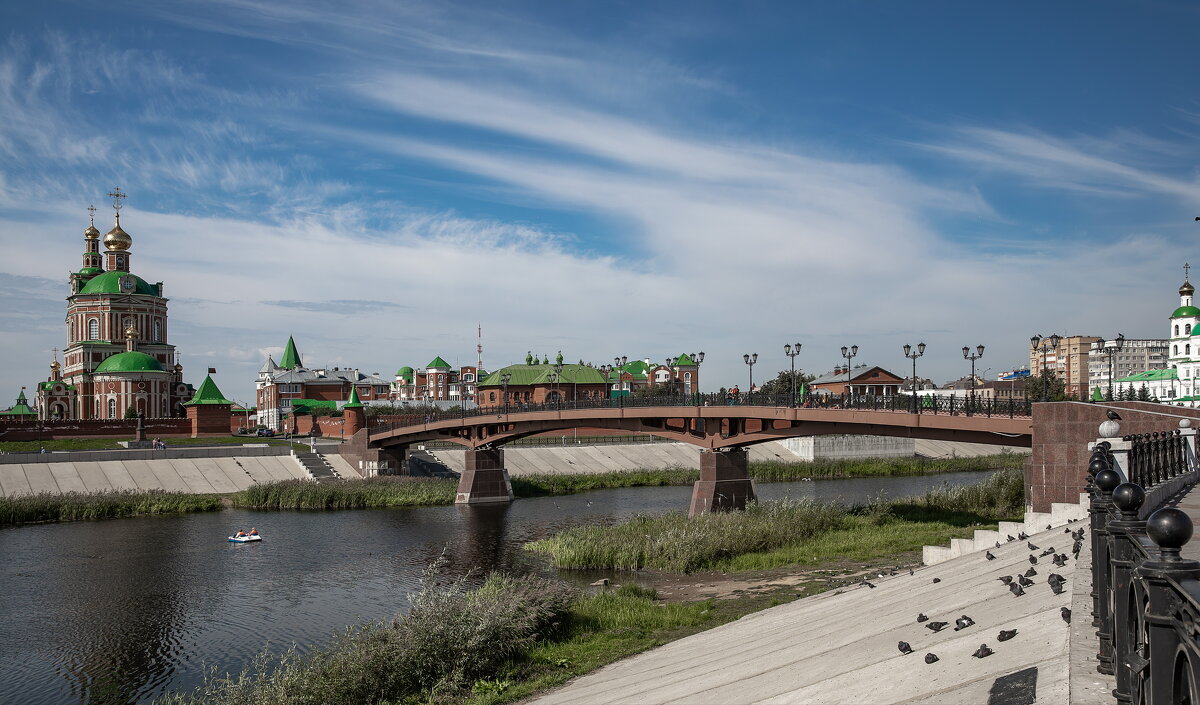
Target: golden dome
[117,239]
[54,365]
[91,233]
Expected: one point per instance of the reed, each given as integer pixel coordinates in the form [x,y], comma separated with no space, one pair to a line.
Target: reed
[544,484]
[370,493]
[676,543]
[74,506]
[776,471]
[787,531]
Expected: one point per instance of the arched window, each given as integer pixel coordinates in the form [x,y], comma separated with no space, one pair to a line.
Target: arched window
[157,332]
[71,332]
[1174,349]
[687,376]
[1187,349]
[1176,330]
[93,329]
[491,396]
[112,408]
[1187,329]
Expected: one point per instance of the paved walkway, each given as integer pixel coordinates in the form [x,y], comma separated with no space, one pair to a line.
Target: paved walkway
[1190,503]
[194,475]
[841,646]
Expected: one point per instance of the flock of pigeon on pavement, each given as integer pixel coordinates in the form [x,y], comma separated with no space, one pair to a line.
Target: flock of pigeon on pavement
[1016,587]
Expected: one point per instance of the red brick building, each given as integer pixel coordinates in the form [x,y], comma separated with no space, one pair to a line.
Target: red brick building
[117,357]
[861,379]
[438,381]
[289,386]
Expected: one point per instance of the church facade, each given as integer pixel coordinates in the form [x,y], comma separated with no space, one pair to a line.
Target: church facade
[117,359]
[1179,383]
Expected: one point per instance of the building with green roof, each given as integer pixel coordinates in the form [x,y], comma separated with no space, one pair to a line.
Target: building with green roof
[21,408]
[118,358]
[289,388]
[438,382]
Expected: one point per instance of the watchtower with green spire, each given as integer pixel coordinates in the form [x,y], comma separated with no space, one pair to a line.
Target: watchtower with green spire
[291,358]
[209,411]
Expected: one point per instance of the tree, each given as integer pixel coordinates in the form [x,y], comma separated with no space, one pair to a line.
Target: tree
[1045,386]
[782,384]
[131,413]
[656,390]
[1143,393]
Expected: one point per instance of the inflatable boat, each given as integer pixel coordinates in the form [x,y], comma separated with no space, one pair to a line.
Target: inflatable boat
[248,538]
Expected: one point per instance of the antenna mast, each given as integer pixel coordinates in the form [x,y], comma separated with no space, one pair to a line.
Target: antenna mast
[478,347]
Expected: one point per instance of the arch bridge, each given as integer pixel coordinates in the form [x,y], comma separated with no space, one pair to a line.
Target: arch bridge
[720,433]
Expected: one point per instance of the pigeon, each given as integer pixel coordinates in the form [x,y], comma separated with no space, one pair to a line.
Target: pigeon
[1047,552]
[1112,415]
[1067,531]
[1016,590]
[1055,578]
[936,627]
[1010,538]
[1024,582]
[1022,536]
[904,647]
[1033,560]
[988,555]
[1006,579]
[1006,634]
[1032,547]
[963,622]
[868,584]
[1059,561]
[1031,572]
[983,651]
[910,571]
[930,658]
[1066,615]
[937,580]
[1057,588]
[922,618]
[997,544]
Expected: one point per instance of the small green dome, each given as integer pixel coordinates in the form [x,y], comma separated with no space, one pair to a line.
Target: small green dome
[91,270]
[1186,311]
[406,372]
[110,283]
[132,361]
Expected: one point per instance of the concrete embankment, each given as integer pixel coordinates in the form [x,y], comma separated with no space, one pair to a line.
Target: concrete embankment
[193,470]
[842,646]
[577,459]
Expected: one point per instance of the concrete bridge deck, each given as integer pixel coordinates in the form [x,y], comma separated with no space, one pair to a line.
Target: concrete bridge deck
[841,646]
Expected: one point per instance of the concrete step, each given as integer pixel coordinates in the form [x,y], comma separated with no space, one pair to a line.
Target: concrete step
[1060,513]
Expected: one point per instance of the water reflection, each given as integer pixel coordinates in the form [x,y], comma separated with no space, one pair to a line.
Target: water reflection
[120,611]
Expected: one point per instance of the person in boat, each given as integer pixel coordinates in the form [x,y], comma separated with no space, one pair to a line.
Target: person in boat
[240,534]
[253,531]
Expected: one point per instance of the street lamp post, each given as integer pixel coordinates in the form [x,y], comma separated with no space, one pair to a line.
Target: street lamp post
[504,379]
[972,356]
[849,355]
[750,359]
[792,353]
[552,378]
[1037,342]
[697,358]
[1110,348]
[913,355]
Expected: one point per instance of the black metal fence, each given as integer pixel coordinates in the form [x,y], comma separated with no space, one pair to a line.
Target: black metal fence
[899,403]
[1145,596]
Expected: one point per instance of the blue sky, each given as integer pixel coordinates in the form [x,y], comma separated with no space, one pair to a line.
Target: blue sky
[613,178]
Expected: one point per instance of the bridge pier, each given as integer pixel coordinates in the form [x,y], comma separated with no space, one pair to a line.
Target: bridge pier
[724,482]
[484,479]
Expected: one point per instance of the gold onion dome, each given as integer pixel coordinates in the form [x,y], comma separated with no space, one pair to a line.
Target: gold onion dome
[1187,289]
[117,239]
[91,233]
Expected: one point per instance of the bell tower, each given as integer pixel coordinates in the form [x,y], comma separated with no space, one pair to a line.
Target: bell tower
[117,241]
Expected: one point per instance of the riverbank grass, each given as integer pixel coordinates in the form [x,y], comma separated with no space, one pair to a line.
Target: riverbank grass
[370,493]
[787,532]
[114,504]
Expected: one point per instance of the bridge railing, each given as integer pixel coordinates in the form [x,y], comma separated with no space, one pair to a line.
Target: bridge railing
[1145,597]
[900,403]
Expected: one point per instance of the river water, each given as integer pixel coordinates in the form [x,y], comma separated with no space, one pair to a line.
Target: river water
[122,611]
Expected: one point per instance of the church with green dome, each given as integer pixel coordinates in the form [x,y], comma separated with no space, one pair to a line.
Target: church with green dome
[117,358]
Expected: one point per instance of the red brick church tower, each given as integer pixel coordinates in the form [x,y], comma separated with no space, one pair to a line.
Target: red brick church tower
[117,356]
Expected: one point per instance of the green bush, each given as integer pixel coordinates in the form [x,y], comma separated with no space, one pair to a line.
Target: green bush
[451,639]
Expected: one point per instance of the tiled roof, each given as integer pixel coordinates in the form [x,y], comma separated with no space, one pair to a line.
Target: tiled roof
[208,394]
[540,374]
[291,358]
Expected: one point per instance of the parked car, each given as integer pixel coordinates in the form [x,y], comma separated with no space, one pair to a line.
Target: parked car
[265,432]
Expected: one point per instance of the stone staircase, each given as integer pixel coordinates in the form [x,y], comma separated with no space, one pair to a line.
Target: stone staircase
[1060,513]
[422,463]
[316,466]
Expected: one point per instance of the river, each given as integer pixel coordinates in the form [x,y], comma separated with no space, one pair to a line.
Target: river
[121,611]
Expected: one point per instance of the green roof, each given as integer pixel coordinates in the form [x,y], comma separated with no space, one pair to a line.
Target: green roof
[438,362]
[21,408]
[353,402]
[685,360]
[208,394]
[50,385]
[301,406]
[523,375]
[1185,311]
[91,270]
[1151,376]
[110,283]
[291,358]
[406,372]
[131,361]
